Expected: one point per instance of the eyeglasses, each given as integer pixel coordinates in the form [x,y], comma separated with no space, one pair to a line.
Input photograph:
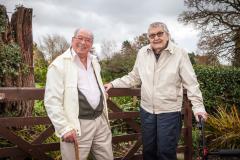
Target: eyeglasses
[88,40]
[153,35]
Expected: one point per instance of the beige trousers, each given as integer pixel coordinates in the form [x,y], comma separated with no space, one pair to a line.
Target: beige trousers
[96,137]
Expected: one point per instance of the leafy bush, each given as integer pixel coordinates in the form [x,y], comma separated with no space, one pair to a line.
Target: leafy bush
[127,104]
[39,109]
[219,85]
[222,128]
[40,66]
[40,72]
[118,66]
[10,61]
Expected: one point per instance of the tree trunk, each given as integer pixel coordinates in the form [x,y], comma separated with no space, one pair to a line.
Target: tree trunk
[236,56]
[21,23]
[20,31]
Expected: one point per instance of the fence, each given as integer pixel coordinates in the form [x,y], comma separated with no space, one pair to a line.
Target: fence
[38,148]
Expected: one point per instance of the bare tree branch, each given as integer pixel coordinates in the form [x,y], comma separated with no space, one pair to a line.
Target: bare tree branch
[219,22]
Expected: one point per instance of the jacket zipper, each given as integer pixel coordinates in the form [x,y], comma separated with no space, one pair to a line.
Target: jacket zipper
[153,87]
[155,66]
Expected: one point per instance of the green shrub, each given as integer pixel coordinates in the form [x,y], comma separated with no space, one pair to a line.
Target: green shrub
[118,66]
[39,109]
[219,85]
[11,61]
[40,72]
[222,129]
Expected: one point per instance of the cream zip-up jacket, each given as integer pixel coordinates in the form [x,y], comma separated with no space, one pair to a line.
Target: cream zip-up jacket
[162,81]
[61,93]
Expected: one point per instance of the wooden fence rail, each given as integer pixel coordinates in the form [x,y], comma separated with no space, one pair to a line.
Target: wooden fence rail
[38,149]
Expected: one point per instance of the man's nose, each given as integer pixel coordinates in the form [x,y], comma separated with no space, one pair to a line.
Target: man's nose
[83,41]
[156,37]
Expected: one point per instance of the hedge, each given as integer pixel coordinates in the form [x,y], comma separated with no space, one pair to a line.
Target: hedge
[219,85]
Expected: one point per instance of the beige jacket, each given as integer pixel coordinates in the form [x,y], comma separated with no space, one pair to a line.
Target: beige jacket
[61,94]
[162,81]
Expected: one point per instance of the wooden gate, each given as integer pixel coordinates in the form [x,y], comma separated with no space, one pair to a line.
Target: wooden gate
[38,149]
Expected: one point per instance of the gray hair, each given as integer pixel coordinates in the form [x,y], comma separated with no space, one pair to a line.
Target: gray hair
[159,24]
[78,29]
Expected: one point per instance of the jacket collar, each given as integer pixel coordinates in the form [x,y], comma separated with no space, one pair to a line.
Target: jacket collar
[70,54]
[67,54]
[170,48]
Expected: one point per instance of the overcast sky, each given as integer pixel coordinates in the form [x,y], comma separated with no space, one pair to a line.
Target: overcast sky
[115,20]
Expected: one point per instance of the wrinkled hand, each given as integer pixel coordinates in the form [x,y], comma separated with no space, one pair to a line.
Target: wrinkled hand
[70,137]
[203,114]
[108,86]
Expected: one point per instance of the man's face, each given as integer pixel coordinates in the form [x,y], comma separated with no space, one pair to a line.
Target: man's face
[82,42]
[158,38]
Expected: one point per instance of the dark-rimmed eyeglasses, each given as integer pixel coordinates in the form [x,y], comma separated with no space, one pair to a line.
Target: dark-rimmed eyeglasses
[88,40]
[153,35]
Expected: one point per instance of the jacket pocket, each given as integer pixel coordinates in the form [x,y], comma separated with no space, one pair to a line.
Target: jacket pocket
[167,88]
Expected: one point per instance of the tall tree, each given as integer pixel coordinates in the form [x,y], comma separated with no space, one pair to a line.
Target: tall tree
[52,46]
[141,41]
[128,48]
[108,49]
[219,22]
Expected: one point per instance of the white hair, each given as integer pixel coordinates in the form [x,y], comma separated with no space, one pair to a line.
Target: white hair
[79,29]
[159,24]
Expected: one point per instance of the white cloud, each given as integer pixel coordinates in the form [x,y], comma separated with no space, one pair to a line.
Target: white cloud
[108,19]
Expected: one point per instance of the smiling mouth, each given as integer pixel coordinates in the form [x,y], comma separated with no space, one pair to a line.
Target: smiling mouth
[82,47]
[157,42]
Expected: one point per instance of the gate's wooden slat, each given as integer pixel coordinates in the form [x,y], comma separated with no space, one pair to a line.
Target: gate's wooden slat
[136,127]
[25,146]
[48,146]
[188,152]
[31,93]
[30,121]
[125,138]
[184,129]
[123,115]
[133,149]
[17,152]
[23,93]
[24,121]
[117,92]
[12,151]
[44,135]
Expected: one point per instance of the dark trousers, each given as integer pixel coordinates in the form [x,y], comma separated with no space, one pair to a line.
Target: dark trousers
[160,135]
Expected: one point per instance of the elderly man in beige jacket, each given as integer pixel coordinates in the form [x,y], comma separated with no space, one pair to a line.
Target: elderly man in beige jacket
[76,103]
[162,69]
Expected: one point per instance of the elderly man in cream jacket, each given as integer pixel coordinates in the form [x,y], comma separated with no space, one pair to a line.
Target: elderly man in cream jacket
[76,103]
[162,69]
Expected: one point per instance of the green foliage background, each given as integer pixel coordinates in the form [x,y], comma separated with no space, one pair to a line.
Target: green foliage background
[10,61]
[40,72]
[219,86]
